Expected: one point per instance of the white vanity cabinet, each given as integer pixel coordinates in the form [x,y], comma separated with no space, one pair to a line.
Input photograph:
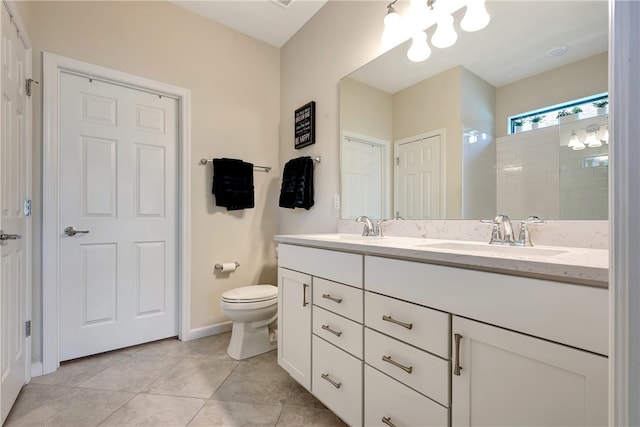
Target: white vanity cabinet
[379,341]
[507,378]
[294,325]
[320,333]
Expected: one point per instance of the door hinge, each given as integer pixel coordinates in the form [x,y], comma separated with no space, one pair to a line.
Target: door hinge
[397,161]
[27,328]
[27,207]
[28,84]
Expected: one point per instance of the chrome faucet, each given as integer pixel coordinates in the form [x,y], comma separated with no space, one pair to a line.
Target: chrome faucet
[368,225]
[502,233]
[369,228]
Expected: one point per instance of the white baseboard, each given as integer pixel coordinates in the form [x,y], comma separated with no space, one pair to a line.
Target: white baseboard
[36,369]
[207,331]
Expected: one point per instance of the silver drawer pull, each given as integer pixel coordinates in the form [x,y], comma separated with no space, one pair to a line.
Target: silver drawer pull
[334,299]
[397,322]
[387,421]
[328,328]
[333,383]
[407,369]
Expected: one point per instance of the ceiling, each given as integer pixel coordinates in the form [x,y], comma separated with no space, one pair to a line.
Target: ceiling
[513,46]
[271,21]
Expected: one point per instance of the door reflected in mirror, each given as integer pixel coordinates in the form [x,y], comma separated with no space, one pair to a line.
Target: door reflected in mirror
[432,140]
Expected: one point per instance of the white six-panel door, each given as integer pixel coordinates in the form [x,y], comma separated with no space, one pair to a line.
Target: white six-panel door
[419,178]
[363,174]
[13,221]
[117,188]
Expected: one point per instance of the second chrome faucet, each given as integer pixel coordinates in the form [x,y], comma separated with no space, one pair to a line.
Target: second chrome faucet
[502,232]
[370,229]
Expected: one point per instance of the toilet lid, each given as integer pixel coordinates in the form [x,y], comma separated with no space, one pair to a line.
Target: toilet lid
[251,293]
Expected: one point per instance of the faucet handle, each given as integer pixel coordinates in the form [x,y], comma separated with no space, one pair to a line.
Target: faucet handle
[377,228]
[534,220]
[524,239]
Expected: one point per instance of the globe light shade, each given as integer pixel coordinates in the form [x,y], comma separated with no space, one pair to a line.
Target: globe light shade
[573,141]
[391,33]
[476,16]
[592,141]
[445,35]
[419,50]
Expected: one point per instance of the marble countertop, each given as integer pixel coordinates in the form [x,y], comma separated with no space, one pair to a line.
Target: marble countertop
[566,264]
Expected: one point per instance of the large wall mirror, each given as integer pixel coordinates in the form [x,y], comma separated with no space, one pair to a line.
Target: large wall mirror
[433,140]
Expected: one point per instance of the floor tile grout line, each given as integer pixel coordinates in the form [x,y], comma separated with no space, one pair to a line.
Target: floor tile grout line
[117,409]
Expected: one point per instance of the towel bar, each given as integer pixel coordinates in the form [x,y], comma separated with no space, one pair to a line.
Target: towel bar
[316,159]
[264,168]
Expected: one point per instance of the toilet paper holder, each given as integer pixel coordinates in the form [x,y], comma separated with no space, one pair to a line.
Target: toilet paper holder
[219,265]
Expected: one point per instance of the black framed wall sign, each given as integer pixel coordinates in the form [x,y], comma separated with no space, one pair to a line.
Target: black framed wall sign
[305,125]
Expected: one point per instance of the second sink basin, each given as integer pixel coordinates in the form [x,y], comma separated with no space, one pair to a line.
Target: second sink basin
[496,249]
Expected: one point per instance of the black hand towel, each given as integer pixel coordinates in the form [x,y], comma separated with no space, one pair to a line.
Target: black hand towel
[233,184]
[297,184]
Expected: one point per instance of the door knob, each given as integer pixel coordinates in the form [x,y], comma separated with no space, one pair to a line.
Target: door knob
[4,236]
[71,231]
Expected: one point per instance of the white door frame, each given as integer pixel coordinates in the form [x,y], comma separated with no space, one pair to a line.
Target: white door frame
[443,171]
[624,208]
[52,66]
[28,237]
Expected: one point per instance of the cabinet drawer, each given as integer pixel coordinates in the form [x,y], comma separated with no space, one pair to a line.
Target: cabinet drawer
[339,298]
[429,329]
[386,398]
[342,332]
[337,381]
[333,265]
[428,374]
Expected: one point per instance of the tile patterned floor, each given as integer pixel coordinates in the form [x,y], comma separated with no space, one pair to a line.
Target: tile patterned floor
[169,383]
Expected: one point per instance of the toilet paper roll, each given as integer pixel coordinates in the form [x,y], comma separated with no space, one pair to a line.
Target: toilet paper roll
[228,267]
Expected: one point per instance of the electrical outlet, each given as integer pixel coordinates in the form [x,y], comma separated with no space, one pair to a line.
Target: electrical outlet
[336,201]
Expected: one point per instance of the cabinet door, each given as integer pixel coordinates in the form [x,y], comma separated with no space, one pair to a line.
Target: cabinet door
[294,325]
[511,379]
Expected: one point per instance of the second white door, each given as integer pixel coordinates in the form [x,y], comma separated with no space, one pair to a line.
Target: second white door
[419,178]
[117,217]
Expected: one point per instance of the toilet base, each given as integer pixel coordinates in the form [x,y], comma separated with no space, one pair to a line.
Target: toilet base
[247,340]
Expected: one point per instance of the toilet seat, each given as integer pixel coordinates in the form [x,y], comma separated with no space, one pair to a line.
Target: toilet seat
[250,294]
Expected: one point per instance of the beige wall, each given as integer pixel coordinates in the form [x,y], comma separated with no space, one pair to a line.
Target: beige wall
[365,110]
[340,37]
[235,99]
[579,79]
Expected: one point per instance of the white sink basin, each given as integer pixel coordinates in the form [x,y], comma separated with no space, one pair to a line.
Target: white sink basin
[496,249]
[354,237]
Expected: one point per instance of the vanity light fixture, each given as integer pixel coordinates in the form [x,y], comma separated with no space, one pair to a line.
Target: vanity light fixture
[392,30]
[476,17]
[445,35]
[592,139]
[422,15]
[575,143]
[419,50]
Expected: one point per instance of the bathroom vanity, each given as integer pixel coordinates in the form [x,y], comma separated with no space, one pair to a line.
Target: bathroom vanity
[410,331]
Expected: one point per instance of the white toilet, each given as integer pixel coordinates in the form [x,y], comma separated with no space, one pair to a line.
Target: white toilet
[253,311]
